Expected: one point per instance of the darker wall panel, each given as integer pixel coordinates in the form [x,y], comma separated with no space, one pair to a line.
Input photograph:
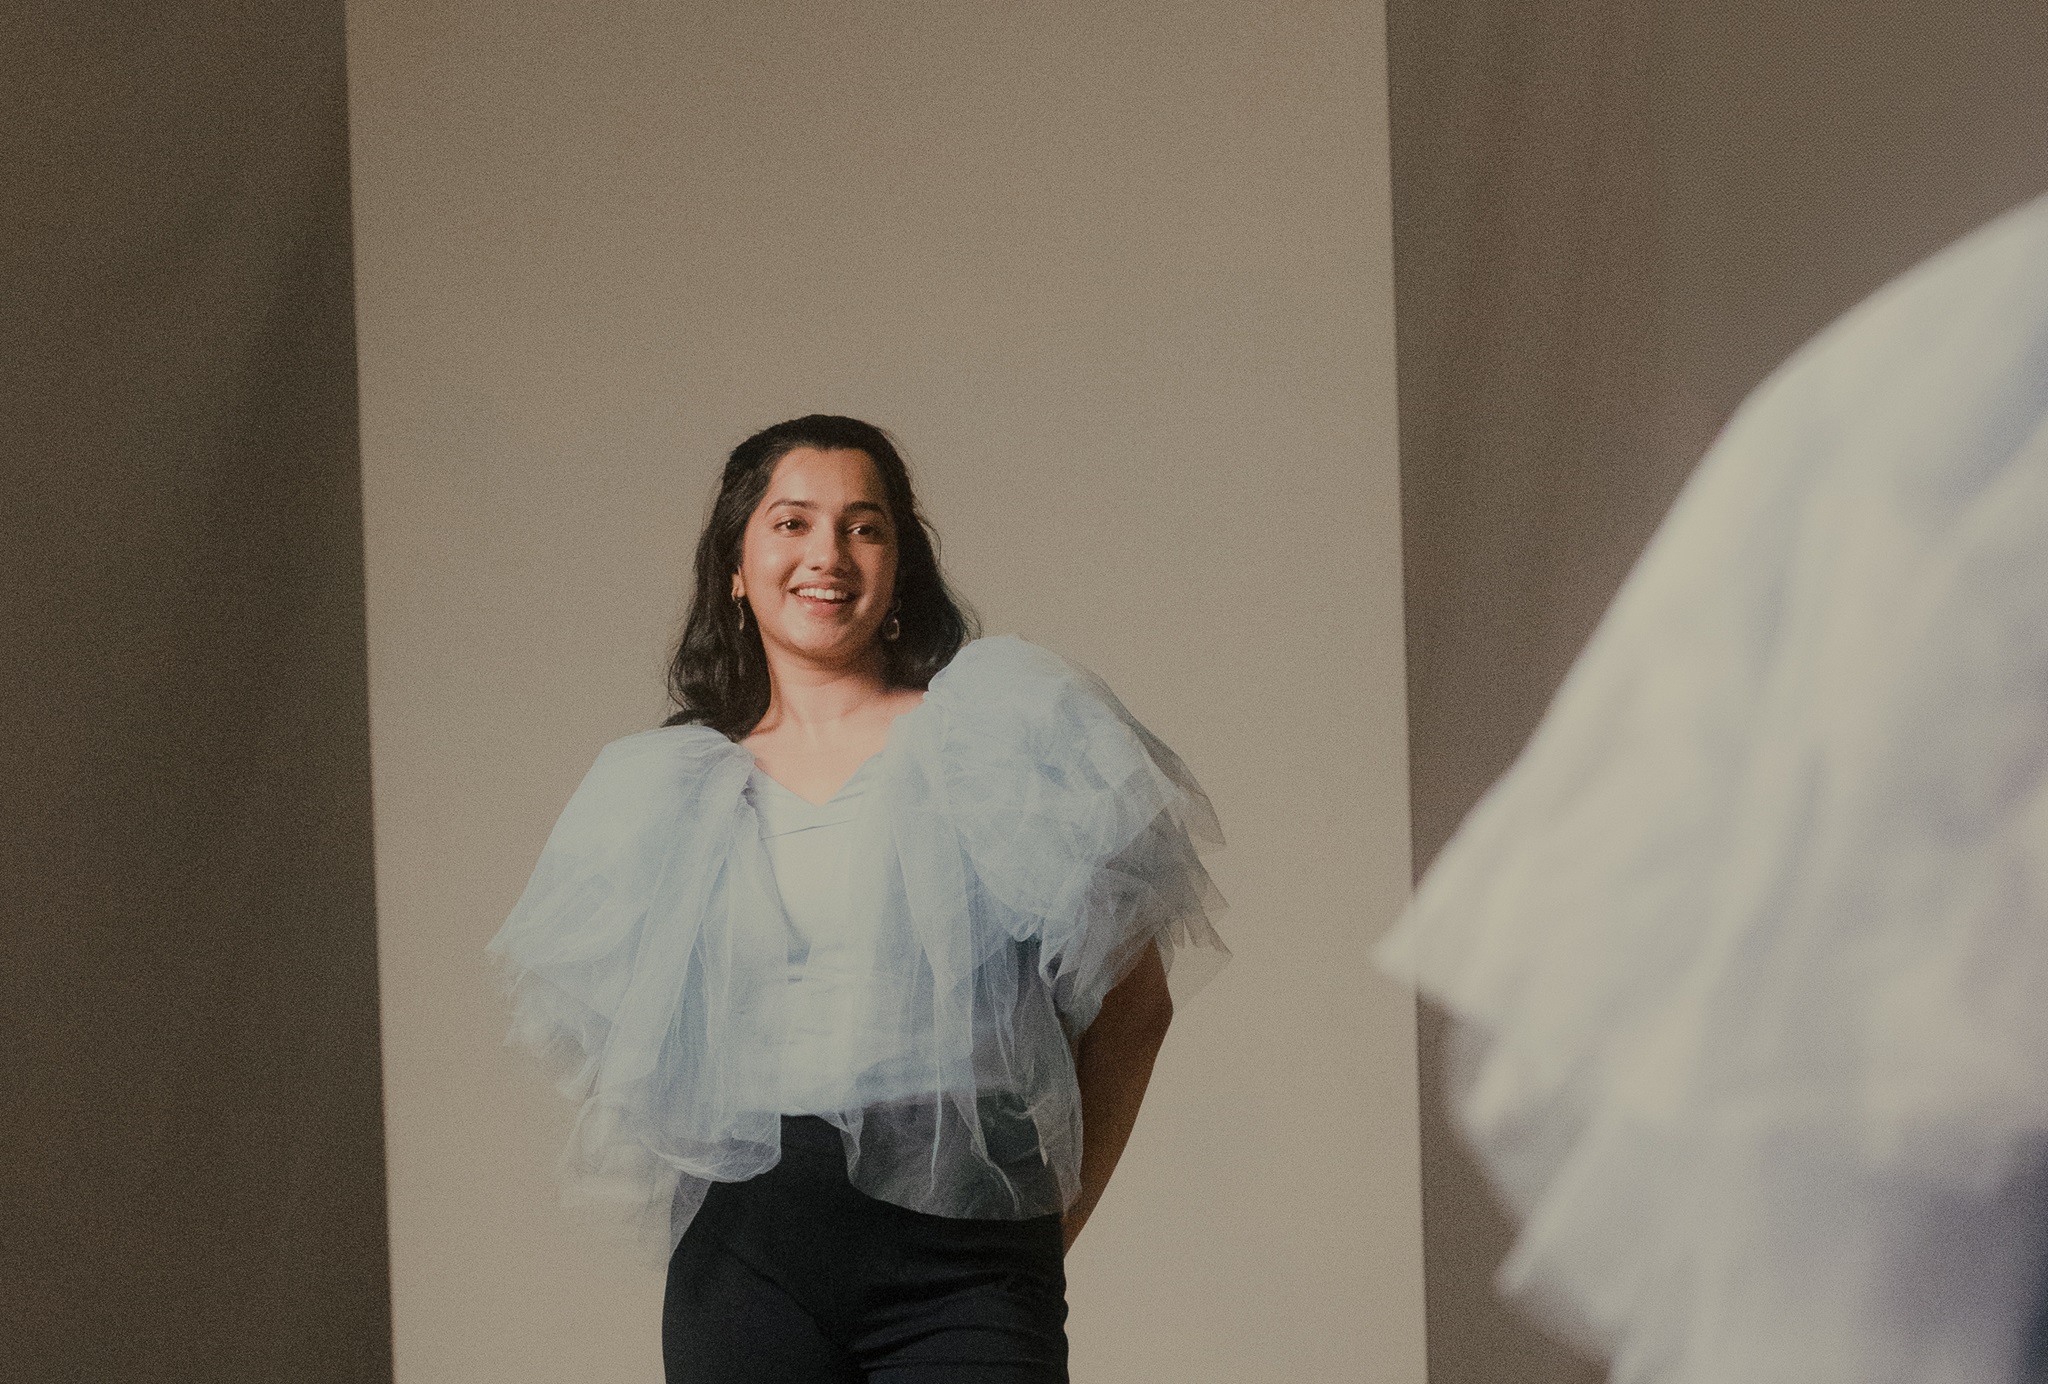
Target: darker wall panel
[193,1138]
[1523,235]
[1611,222]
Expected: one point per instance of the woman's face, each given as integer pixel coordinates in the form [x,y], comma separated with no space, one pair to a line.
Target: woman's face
[818,559]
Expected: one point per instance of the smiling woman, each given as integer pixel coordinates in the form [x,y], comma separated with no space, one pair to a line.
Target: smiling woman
[819,569]
[828,501]
[861,962]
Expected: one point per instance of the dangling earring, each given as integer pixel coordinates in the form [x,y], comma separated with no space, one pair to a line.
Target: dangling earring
[892,628]
[739,604]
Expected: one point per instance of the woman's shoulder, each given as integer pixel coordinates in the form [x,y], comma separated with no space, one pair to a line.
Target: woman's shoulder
[664,758]
[1002,700]
[668,774]
[1002,675]
[679,744]
[1002,651]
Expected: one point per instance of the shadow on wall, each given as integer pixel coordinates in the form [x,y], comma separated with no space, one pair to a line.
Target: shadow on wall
[194,1163]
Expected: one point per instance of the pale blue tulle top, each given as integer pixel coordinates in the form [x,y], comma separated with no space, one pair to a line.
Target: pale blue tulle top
[1013,849]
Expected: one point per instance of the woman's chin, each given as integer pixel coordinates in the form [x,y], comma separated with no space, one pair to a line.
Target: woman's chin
[839,647]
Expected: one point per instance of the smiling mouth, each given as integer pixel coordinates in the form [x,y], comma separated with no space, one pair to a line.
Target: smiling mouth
[829,595]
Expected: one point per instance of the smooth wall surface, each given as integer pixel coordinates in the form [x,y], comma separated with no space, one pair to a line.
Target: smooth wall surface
[1612,222]
[1119,277]
[191,1170]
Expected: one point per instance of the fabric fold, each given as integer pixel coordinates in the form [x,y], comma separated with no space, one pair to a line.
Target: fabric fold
[1749,950]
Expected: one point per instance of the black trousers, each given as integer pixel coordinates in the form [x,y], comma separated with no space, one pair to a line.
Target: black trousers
[795,1276]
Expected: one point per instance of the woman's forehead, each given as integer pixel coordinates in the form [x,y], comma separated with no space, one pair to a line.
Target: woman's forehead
[809,476]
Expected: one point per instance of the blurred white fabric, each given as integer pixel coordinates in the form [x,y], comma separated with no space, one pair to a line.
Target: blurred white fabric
[1749,950]
[1016,845]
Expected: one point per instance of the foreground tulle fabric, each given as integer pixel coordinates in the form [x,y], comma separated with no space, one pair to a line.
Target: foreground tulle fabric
[1020,842]
[1750,948]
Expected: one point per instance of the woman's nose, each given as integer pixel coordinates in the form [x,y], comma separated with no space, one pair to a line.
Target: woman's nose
[822,552]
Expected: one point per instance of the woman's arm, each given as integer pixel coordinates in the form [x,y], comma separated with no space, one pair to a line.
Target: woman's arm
[1114,1064]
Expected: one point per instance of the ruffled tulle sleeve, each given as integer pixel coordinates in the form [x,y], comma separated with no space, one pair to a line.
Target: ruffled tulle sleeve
[637,967]
[1079,826]
[1749,950]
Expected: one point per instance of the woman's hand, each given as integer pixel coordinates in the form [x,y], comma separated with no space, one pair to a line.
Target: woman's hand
[1113,1065]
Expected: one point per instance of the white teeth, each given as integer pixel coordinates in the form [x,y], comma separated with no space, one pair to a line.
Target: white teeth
[821,593]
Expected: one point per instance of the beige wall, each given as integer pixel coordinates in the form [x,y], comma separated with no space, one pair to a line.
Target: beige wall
[1119,276]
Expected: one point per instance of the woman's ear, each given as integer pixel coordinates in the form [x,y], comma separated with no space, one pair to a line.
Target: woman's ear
[739,588]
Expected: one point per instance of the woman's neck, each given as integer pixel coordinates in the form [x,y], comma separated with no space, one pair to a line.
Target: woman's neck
[809,702]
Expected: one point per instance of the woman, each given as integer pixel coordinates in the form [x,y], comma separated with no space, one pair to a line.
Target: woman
[860,962]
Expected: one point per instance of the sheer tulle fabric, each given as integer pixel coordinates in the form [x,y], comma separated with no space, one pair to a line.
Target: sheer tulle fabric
[1750,948]
[1021,841]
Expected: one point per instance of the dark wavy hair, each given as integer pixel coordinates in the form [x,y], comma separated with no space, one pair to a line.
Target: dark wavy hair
[719,675]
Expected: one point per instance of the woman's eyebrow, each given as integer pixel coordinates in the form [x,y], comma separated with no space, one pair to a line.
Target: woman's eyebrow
[857,507]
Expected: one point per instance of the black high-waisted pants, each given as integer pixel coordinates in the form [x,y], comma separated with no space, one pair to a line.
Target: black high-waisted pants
[795,1276]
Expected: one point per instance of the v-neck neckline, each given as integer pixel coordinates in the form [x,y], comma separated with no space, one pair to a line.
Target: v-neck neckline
[888,743]
[779,786]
